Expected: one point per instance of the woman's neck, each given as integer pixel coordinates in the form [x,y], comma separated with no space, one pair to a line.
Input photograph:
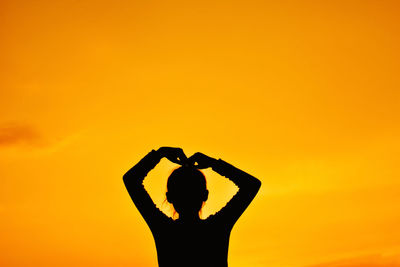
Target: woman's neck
[192,217]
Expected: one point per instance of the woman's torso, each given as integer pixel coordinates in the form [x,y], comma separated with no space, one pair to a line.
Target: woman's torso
[202,243]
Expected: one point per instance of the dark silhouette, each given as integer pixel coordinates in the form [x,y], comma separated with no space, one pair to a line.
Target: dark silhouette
[189,240]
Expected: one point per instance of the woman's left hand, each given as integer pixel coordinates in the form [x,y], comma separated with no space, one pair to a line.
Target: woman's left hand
[202,160]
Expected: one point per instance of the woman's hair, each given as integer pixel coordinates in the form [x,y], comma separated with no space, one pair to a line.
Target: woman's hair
[187,184]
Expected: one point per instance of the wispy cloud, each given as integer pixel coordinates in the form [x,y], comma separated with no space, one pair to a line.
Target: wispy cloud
[366,261]
[13,134]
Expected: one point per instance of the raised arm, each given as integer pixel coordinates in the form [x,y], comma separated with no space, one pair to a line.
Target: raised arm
[248,187]
[134,178]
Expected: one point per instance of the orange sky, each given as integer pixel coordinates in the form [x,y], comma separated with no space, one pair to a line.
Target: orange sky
[304,95]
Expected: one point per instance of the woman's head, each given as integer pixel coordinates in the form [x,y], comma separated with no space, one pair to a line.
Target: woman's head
[187,190]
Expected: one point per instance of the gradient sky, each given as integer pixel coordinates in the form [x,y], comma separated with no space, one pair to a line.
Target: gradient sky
[304,95]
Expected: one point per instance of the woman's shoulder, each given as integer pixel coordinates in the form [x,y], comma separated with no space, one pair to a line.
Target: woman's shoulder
[211,219]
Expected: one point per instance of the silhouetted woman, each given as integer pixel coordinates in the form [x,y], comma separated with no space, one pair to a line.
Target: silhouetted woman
[189,240]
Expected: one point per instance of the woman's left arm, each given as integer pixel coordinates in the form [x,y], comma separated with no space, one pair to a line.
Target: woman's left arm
[248,187]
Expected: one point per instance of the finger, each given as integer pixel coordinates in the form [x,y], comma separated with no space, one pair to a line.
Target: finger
[173,157]
[174,160]
[182,155]
[196,156]
[179,156]
[190,163]
[191,159]
[181,160]
[178,161]
[201,166]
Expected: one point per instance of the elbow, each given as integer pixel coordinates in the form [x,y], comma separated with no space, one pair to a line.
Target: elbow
[125,178]
[131,179]
[253,184]
[257,184]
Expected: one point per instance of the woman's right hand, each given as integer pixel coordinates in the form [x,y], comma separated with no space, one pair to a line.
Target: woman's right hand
[173,154]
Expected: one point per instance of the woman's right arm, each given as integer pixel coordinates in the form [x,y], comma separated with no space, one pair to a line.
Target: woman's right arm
[134,178]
